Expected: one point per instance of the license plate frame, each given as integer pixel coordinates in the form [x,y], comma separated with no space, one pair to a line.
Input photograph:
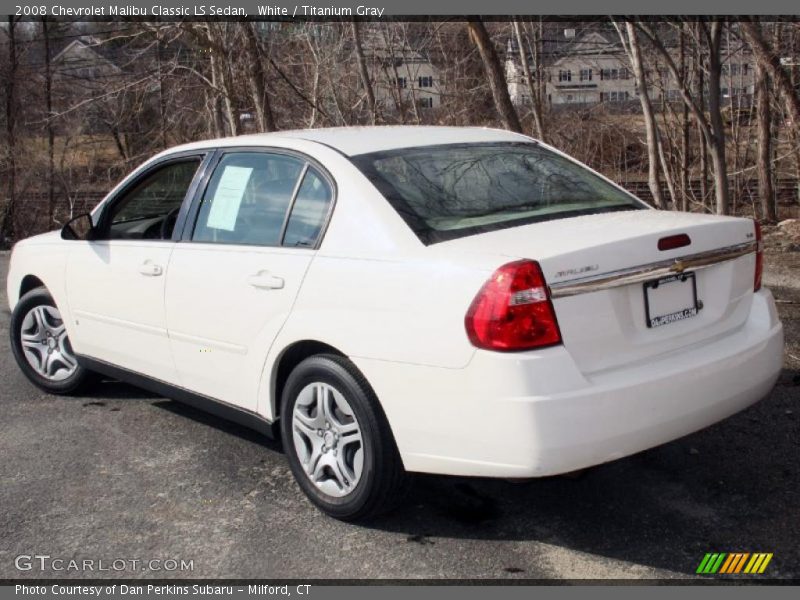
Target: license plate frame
[679,314]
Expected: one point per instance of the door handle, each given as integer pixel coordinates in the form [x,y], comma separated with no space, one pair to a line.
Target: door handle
[150,269]
[265,281]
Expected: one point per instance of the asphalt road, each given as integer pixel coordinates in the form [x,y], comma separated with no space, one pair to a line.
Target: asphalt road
[124,474]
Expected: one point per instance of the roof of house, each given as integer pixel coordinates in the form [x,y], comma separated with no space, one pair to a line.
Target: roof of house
[86,46]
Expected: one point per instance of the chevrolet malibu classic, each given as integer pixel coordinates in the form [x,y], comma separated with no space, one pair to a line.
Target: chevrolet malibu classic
[387,300]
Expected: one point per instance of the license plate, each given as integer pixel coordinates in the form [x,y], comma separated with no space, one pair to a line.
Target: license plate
[670,299]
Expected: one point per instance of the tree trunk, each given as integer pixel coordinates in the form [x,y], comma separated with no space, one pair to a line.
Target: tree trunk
[220,60]
[414,101]
[794,136]
[541,73]
[763,163]
[162,105]
[631,45]
[662,157]
[364,72]
[312,121]
[257,80]
[523,58]
[394,79]
[701,140]
[7,226]
[717,141]
[214,100]
[684,206]
[494,72]
[118,141]
[48,104]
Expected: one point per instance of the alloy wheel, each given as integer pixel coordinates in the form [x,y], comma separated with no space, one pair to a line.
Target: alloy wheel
[45,344]
[327,439]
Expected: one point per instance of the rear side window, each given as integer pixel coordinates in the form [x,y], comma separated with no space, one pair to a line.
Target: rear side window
[309,211]
[263,199]
[456,190]
[247,199]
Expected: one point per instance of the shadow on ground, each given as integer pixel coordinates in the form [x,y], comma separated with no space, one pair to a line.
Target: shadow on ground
[727,488]
[732,487]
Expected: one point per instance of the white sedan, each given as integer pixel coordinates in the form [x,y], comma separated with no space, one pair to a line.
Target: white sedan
[403,299]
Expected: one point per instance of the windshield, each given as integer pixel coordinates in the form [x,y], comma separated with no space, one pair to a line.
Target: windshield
[456,190]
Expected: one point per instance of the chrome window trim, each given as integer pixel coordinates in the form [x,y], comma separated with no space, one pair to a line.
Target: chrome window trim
[642,273]
[220,151]
[101,212]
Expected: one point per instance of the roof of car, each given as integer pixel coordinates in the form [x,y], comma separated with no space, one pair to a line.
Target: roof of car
[362,140]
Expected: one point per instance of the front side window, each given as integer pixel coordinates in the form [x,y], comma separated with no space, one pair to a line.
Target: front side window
[246,199]
[150,209]
[456,190]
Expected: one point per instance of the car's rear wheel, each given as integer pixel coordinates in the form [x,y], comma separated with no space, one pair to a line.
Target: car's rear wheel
[41,346]
[338,441]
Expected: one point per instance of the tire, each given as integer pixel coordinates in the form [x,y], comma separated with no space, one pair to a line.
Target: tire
[381,483]
[37,319]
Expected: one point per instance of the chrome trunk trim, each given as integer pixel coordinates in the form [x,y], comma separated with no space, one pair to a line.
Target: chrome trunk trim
[642,273]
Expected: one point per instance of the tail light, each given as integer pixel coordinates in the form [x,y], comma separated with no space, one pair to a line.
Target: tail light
[759,257]
[513,311]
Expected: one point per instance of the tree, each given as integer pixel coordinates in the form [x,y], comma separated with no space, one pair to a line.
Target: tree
[535,104]
[764,156]
[494,73]
[630,43]
[257,80]
[712,127]
[7,224]
[362,69]
[769,60]
[48,101]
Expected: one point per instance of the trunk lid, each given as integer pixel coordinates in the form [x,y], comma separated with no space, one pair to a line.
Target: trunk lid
[608,327]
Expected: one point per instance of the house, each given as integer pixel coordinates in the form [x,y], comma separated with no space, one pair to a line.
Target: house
[91,86]
[85,61]
[591,67]
[403,77]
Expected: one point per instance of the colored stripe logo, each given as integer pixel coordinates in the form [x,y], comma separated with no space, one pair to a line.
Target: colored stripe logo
[732,563]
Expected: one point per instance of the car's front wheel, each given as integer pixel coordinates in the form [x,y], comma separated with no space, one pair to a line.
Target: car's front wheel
[338,442]
[41,346]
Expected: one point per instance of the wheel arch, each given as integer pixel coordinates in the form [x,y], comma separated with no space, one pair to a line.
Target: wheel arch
[289,358]
[28,283]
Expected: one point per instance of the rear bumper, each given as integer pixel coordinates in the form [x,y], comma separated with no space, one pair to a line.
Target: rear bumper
[535,414]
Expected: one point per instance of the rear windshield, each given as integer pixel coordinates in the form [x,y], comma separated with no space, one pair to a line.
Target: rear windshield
[450,191]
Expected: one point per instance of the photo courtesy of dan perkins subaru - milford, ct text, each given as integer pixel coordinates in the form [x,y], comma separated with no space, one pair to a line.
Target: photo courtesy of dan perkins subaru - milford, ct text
[158,590]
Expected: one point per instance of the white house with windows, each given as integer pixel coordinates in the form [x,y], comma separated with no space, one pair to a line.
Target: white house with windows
[589,70]
[594,68]
[403,78]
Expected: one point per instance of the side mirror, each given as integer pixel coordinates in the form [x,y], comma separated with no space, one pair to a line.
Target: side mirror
[79,228]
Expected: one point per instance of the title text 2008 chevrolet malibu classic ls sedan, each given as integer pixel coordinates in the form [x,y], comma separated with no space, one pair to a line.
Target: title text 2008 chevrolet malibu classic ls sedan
[443,300]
